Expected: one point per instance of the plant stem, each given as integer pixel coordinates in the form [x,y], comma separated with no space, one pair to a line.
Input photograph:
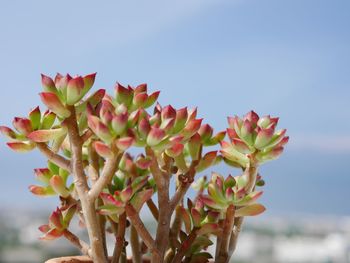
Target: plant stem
[80,244]
[219,239]
[94,174]
[119,244]
[135,245]
[81,185]
[153,208]
[184,186]
[54,157]
[227,230]
[162,182]
[234,236]
[109,169]
[141,229]
[185,246]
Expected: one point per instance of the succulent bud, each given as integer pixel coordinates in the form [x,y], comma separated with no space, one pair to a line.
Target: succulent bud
[61,83]
[75,90]
[48,84]
[59,186]
[123,95]
[144,127]
[119,123]
[155,136]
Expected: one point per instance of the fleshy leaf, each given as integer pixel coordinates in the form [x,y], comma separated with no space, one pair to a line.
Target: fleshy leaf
[46,135]
[250,210]
[21,147]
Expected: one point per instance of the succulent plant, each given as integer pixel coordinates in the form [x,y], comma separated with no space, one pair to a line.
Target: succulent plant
[90,139]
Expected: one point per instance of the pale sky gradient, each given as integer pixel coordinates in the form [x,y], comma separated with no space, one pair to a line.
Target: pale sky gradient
[287,58]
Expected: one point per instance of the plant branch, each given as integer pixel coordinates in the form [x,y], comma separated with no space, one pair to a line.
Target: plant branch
[186,244]
[153,208]
[54,157]
[141,229]
[81,185]
[226,233]
[162,182]
[119,244]
[135,245]
[107,174]
[234,236]
[80,244]
[185,183]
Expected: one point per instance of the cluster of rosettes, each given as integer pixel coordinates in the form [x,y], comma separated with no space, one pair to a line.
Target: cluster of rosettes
[232,191]
[253,138]
[59,94]
[123,121]
[54,181]
[26,130]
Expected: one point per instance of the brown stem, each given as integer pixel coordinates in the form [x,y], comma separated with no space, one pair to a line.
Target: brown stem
[87,135]
[153,208]
[162,181]
[135,245]
[54,157]
[80,244]
[219,239]
[81,185]
[141,229]
[234,236]
[175,229]
[186,245]
[185,184]
[226,233]
[119,244]
[94,173]
[107,174]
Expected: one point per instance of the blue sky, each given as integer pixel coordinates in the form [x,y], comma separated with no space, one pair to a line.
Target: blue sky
[287,58]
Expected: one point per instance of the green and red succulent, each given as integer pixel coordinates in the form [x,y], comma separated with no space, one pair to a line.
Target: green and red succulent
[89,139]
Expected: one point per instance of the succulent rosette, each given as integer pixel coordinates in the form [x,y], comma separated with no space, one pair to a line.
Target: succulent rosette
[223,192]
[53,180]
[59,222]
[254,137]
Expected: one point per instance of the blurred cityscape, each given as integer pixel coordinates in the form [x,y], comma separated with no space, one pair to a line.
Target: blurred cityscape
[305,239]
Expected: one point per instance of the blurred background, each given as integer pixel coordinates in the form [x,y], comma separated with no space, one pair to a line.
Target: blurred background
[285,58]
